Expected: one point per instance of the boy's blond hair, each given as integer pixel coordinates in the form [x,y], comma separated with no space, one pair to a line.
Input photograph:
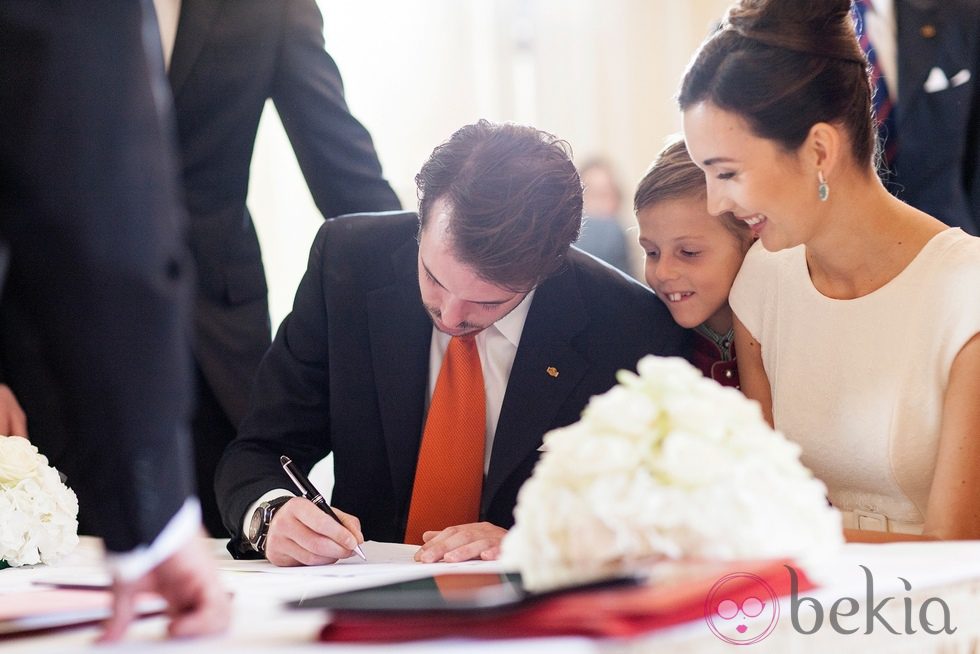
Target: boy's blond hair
[673,175]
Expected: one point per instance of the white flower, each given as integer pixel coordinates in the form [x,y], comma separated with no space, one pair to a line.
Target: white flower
[38,513]
[18,460]
[667,464]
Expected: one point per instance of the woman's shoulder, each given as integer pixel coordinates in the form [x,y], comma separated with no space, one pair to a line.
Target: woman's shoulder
[962,245]
[761,264]
[761,279]
[948,297]
[954,254]
[947,282]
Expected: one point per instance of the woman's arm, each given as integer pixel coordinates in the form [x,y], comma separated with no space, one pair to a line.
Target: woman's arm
[751,373]
[954,501]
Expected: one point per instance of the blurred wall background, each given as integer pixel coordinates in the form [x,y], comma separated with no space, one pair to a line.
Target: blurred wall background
[601,74]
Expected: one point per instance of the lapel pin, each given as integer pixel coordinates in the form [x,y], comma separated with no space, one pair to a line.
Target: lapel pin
[927,31]
[552,371]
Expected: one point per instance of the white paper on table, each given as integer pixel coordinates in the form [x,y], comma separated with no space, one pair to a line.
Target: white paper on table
[377,552]
[382,559]
[386,563]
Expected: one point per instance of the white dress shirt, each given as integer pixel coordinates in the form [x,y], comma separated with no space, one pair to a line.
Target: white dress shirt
[881,27]
[168,15]
[497,345]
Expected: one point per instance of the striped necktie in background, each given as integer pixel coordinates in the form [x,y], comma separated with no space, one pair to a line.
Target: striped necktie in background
[882,100]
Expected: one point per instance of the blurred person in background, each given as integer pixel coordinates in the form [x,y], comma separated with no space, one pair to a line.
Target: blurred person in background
[96,285]
[602,202]
[924,58]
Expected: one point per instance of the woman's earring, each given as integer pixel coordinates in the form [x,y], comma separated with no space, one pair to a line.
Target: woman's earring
[823,189]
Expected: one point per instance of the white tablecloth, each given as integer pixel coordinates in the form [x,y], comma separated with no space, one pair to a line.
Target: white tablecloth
[950,571]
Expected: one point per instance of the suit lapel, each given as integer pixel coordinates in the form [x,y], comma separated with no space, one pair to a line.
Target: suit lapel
[196,19]
[534,396]
[916,53]
[400,332]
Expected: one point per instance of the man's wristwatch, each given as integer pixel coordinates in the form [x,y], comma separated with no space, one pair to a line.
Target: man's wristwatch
[258,528]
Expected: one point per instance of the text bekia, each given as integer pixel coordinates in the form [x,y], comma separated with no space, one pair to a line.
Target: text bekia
[849,607]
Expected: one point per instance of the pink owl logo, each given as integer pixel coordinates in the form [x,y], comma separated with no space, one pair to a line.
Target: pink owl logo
[741,609]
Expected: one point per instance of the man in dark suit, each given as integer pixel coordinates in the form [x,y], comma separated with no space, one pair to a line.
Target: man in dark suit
[358,367]
[227,58]
[97,276]
[932,141]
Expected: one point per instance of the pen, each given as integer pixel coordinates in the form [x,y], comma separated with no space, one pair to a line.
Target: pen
[310,492]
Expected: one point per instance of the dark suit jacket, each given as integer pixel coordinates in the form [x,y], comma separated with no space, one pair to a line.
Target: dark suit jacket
[229,57]
[937,167]
[96,297]
[349,369]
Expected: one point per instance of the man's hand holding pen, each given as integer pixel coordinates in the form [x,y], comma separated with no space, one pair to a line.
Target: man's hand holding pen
[302,534]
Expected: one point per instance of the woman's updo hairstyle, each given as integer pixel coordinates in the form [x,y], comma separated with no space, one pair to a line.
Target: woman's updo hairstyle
[783,66]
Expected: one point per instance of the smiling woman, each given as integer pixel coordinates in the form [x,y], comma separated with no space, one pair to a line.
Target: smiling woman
[882,399]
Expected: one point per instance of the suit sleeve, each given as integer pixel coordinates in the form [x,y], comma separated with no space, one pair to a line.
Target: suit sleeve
[334,151]
[971,164]
[289,409]
[90,216]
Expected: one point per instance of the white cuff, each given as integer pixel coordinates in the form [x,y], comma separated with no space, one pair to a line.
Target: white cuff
[184,525]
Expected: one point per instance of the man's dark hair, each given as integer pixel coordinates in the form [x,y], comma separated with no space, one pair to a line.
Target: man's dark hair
[515,200]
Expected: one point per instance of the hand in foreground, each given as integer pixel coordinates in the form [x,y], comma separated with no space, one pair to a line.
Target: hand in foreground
[197,604]
[301,534]
[13,422]
[477,540]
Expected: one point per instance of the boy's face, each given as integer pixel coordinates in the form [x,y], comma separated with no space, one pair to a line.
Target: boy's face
[691,260]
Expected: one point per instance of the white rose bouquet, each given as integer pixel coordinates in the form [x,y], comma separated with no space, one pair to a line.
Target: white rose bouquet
[667,464]
[38,513]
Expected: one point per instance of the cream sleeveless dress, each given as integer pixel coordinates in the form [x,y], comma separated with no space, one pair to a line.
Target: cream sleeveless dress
[859,384]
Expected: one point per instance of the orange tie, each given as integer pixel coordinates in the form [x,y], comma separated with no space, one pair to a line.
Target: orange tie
[449,472]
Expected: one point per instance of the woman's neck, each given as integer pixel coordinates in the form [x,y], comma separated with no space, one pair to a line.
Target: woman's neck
[867,239]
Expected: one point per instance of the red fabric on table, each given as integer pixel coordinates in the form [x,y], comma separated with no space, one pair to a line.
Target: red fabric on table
[607,613]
